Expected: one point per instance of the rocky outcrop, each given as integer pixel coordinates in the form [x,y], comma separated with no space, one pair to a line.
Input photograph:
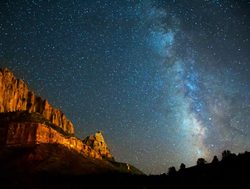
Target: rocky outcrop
[25,134]
[97,143]
[27,119]
[15,96]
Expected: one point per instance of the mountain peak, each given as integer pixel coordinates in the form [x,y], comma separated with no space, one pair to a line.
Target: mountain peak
[98,143]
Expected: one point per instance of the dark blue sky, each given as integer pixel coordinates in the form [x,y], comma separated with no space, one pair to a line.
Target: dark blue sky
[166,81]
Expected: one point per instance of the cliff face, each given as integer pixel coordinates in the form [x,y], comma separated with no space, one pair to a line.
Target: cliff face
[15,96]
[23,134]
[97,143]
[26,119]
[37,138]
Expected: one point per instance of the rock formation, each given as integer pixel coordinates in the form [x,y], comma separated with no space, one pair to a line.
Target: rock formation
[23,134]
[15,96]
[26,119]
[97,143]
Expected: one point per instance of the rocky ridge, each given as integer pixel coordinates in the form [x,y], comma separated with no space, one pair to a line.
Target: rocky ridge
[15,96]
[27,119]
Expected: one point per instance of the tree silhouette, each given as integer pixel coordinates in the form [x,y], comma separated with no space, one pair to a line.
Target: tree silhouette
[226,154]
[182,166]
[171,171]
[201,161]
[215,160]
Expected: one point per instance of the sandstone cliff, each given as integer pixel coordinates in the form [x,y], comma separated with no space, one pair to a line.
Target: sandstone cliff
[23,134]
[24,129]
[26,119]
[97,143]
[37,138]
[15,96]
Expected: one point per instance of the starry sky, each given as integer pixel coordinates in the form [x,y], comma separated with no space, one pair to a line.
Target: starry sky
[165,81]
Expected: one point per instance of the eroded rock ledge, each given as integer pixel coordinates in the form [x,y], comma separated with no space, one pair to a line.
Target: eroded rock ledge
[27,119]
[23,134]
[15,96]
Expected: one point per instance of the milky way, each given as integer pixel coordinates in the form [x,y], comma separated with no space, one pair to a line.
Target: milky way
[166,81]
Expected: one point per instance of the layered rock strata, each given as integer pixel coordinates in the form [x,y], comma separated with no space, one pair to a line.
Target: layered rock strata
[23,134]
[15,96]
[27,119]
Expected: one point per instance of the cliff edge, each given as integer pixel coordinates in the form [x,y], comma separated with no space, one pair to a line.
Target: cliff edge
[27,119]
[15,96]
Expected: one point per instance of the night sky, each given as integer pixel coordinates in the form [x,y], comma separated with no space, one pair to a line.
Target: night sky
[165,81]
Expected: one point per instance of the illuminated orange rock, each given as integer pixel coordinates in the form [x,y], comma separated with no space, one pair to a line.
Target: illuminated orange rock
[97,143]
[27,119]
[15,96]
[23,134]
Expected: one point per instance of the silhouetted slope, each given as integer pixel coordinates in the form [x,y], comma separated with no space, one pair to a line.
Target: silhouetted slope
[232,171]
[55,159]
[44,167]
[230,166]
[55,166]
